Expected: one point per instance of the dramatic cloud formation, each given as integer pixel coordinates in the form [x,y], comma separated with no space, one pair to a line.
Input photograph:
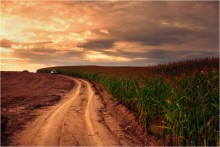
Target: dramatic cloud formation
[36,34]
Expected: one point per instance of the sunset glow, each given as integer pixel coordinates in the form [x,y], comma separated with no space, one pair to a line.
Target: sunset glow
[36,34]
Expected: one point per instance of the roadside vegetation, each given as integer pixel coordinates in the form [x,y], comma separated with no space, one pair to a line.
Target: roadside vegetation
[178,102]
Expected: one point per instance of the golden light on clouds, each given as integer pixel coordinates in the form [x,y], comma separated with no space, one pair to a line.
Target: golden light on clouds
[5,50]
[97,56]
[35,34]
[104,31]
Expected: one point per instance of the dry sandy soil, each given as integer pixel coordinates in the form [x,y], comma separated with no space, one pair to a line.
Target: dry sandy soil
[57,110]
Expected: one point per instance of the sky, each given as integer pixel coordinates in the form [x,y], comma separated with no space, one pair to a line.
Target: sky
[37,34]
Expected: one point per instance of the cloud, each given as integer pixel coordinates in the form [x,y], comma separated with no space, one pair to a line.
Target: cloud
[98,44]
[127,21]
[6,43]
[140,32]
[104,31]
[161,54]
[176,55]
[141,22]
[40,42]
[48,56]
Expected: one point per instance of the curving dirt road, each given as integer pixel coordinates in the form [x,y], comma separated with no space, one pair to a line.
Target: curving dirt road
[75,120]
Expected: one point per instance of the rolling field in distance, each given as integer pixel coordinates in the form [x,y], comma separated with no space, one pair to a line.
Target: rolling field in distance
[178,101]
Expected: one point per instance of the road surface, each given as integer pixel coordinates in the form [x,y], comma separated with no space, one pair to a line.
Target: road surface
[75,120]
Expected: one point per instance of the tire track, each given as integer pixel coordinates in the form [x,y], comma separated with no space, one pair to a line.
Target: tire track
[48,128]
[53,128]
[88,117]
[96,127]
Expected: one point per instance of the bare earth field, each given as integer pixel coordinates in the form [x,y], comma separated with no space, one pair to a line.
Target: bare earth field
[45,109]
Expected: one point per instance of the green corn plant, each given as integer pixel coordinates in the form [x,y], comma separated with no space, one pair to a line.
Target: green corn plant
[184,95]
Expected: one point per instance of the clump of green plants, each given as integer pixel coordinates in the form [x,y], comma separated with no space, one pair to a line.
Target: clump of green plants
[183,96]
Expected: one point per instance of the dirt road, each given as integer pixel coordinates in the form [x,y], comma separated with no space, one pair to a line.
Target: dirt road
[80,118]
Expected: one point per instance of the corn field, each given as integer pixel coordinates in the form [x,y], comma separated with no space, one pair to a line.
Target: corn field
[181,98]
